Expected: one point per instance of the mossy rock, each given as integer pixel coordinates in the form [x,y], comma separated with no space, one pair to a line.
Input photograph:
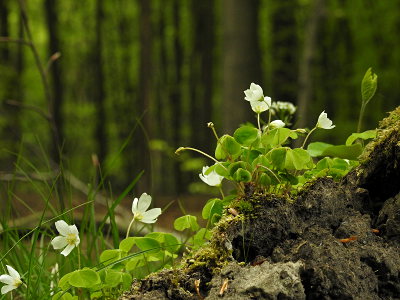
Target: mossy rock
[336,240]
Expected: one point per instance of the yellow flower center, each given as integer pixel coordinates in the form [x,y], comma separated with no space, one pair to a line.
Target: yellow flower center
[138,216]
[17,282]
[71,239]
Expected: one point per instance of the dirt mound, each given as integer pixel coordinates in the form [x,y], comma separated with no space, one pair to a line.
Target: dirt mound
[338,240]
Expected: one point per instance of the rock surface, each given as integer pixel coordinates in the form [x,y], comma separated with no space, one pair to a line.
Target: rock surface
[338,240]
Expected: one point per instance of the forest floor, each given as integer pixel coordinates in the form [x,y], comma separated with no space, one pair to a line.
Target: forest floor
[337,240]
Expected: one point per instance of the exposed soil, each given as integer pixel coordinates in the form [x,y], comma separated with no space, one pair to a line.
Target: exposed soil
[337,240]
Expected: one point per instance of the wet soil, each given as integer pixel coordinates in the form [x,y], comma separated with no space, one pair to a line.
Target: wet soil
[335,240]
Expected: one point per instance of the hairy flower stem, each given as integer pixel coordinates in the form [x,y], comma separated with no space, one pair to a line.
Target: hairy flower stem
[79,257]
[221,191]
[201,152]
[211,125]
[258,122]
[308,135]
[129,227]
[360,117]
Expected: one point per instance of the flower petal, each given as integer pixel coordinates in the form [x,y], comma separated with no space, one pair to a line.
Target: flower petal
[135,205]
[144,202]
[67,250]
[59,242]
[14,274]
[62,227]
[7,279]
[151,214]
[73,229]
[7,288]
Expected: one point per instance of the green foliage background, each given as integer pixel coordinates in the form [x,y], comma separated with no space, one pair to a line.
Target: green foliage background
[179,86]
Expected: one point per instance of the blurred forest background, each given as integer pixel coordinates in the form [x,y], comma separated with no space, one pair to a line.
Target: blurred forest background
[122,84]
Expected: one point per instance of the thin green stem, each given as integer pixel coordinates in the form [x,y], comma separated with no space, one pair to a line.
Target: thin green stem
[129,227]
[199,151]
[79,258]
[360,117]
[268,169]
[308,135]
[221,191]
[211,125]
[269,119]
[258,122]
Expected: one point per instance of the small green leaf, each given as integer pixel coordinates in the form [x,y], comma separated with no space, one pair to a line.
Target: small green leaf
[235,166]
[277,136]
[186,222]
[264,179]
[126,244]
[201,237]
[342,151]
[63,283]
[368,86]
[146,244]
[317,149]
[113,278]
[85,278]
[242,175]
[369,134]
[298,159]
[246,135]
[212,207]
[167,240]
[227,146]
[278,157]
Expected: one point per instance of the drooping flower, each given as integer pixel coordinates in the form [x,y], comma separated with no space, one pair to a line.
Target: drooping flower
[69,237]
[12,281]
[324,122]
[140,212]
[212,179]
[277,124]
[255,96]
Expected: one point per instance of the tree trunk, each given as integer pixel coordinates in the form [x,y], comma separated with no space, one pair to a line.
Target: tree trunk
[304,97]
[284,47]
[145,86]
[241,59]
[56,74]
[98,84]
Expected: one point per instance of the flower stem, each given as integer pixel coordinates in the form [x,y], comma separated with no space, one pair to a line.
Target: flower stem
[79,258]
[129,227]
[211,125]
[258,122]
[360,117]
[308,135]
[269,119]
[199,151]
[222,192]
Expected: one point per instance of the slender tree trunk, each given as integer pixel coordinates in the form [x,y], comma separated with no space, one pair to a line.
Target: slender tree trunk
[241,59]
[202,73]
[145,85]
[306,61]
[56,75]
[284,51]
[98,84]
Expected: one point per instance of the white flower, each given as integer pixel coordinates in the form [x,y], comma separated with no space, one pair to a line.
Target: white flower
[324,122]
[255,96]
[139,207]
[69,237]
[283,105]
[277,124]
[12,281]
[212,179]
[255,93]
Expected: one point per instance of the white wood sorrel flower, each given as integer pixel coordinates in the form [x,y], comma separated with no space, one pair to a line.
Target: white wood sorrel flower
[69,237]
[212,179]
[324,122]
[255,96]
[12,281]
[277,124]
[140,212]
